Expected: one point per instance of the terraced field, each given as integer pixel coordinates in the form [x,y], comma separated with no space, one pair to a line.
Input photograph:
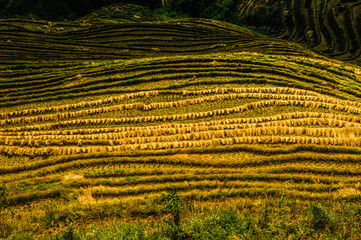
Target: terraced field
[99,118]
[26,40]
[332,27]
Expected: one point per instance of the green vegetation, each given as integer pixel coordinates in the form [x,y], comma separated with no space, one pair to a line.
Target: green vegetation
[288,219]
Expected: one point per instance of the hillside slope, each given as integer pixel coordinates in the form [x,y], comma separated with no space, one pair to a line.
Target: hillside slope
[332,27]
[99,119]
[27,40]
[60,10]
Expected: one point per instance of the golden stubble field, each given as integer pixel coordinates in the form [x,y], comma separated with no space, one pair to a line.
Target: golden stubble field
[224,116]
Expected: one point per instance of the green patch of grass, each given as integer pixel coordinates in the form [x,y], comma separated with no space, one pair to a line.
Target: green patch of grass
[283,219]
[131,178]
[104,182]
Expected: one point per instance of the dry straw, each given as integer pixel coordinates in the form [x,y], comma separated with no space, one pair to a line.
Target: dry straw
[288,119]
[310,101]
[85,104]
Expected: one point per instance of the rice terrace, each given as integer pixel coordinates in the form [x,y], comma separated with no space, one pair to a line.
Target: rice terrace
[176,119]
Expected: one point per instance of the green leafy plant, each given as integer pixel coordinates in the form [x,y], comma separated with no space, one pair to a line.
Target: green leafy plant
[69,233]
[319,218]
[174,206]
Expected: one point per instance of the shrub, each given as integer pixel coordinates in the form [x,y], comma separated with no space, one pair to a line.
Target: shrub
[319,218]
[174,206]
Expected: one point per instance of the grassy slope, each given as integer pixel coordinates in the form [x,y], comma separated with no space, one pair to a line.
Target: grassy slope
[99,118]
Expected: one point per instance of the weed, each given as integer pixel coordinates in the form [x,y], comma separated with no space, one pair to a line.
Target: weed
[281,205]
[319,218]
[266,218]
[69,234]
[174,206]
